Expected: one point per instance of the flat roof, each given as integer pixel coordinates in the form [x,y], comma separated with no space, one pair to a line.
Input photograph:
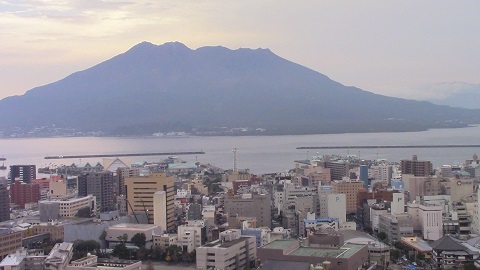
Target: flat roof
[134,226]
[346,251]
[11,260]
[280,244]
[416,243]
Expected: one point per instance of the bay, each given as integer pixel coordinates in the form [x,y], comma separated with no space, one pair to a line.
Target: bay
[261,154]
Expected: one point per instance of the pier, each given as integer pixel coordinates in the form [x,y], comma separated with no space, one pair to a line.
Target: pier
[126,155]
[388,146]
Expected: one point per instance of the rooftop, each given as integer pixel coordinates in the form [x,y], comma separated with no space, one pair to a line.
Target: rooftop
[11,260]
[134,226]
[280,244]
[226,244]
[416,243]
[346,251]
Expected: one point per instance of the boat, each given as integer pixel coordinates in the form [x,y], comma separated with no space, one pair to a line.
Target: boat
[3,167]
[2,159]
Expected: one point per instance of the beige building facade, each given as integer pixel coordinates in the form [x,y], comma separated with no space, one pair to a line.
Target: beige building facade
[140,193]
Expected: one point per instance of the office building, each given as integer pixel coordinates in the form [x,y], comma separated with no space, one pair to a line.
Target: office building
[4,201]
[160,209]
[336,207]
[350,189]
[416,167]
[52,210]
[327,250]
[140,191]
[122,174]
[25,173]
[396,226]
[231,252]
[364,175]
[22,193]
[427,218]
[192,235]
[115,232]
[338,169]
[100,185]
[11,241]
[251,205]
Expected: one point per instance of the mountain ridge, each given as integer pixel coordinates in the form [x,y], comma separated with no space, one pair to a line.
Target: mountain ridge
[170,87]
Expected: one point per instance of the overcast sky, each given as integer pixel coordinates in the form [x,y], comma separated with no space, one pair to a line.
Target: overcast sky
[387,47]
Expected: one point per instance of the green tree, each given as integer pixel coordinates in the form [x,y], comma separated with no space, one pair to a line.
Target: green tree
[123,238]
[395,254]
[469,266]
[382,236]
[103,235]
[173,253]
[158,253]
[121,251]
[420,256]
[84,247]
[139,239]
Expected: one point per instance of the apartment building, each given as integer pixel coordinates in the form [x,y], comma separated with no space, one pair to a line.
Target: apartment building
[100,185]
[4,202]
[416,167]
[22,193]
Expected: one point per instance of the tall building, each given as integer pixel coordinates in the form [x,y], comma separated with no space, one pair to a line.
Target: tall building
[100,185]
[364,175]
[22,193]
[338,169]
[337,207]
[350,189]
[4,201]
[160,209]
[140,193]
[251,205]
[26,173]
[122,174]
[416,167]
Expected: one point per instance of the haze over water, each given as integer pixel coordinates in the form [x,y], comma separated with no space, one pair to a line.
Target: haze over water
[261,154]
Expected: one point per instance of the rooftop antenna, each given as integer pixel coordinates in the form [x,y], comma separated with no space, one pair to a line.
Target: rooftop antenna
[235,159]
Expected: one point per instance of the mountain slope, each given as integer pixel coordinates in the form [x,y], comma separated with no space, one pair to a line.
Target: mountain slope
[173,88]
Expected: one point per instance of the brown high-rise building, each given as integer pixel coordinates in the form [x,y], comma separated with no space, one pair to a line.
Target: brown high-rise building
[248,205]
[22,193]
[416,167]
[350,189]
[100,185]
[140,192]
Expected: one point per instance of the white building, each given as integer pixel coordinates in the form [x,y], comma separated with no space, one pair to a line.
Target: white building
[427,218]
[59,257]
[192,235]
[160,209]
[337,207]
[398,204]
[231,251]
[323,192]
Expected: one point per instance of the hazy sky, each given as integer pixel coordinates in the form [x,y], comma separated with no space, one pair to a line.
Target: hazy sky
[387,47]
